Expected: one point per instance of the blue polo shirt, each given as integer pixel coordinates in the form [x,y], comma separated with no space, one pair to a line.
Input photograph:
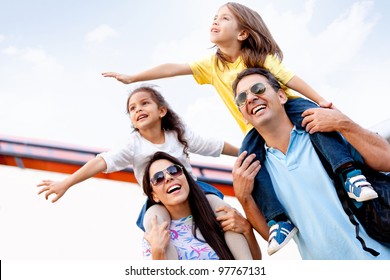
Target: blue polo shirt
[311,202]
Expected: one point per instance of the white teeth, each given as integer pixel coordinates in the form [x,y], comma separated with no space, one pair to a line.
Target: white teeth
[141,117]
[173,188]
[258,108]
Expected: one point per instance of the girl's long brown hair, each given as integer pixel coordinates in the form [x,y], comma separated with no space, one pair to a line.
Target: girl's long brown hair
[260,41]
[171,121]
[203,216]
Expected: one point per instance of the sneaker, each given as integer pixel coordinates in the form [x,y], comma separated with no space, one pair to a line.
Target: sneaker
[358,188]
[279,235]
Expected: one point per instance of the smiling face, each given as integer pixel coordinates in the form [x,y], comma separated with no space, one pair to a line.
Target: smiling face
[172,192]
[224,29]
[261,109]
[144,111]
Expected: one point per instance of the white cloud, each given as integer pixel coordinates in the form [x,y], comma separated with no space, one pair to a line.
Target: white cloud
[330,48]
[38,58]
[10,51]
[2,38]
[346,34]
[100,34]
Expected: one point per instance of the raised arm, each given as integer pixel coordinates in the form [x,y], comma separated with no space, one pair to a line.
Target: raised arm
[90,169]
[244,172]
[158,72]
[374,149]
[299,85]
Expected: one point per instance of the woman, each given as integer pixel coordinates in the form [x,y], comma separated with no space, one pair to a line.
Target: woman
[194,230]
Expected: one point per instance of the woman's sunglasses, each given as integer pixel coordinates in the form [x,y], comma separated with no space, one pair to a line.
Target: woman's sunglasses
[257,89]
[159,177]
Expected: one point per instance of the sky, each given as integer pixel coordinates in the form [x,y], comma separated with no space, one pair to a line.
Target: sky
[52,54]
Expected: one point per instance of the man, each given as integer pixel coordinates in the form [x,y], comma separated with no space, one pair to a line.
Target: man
[299,178]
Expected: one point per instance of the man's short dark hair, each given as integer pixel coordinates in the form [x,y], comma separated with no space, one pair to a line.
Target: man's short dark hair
[259,71]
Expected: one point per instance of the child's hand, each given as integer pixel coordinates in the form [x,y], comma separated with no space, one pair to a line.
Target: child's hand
[232,220]
[326,104]
[53,187]
[126,79]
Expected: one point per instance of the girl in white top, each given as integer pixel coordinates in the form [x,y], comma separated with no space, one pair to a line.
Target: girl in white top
[156,128]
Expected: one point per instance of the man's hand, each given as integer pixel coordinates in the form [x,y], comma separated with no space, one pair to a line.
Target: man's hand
[244,172]
[324,120]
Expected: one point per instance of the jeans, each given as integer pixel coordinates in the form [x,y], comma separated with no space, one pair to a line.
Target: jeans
[331,145]
[207,188]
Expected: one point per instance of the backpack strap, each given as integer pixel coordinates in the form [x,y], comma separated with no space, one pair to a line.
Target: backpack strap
[341,193]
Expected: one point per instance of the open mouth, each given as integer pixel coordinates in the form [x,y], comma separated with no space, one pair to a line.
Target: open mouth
[173,188]
[140,117]
[258,108]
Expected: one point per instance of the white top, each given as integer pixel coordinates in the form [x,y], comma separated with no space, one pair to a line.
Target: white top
[138,150]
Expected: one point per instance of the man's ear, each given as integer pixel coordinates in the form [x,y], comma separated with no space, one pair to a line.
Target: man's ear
[282,96]
[243,35]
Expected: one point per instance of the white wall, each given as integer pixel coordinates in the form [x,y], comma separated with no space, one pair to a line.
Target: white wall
[93,221]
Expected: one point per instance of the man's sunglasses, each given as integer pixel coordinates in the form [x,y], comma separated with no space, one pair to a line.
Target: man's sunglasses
[159,177]
[257,89]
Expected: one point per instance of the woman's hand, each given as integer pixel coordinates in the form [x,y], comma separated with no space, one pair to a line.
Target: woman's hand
[158,238]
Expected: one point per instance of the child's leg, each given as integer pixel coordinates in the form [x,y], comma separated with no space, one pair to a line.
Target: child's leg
[263,191]
[334,149]
[236,241]
[162,215]
[281,229]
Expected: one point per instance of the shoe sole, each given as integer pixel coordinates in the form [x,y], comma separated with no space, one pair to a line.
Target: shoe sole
[362,199]
[288,238]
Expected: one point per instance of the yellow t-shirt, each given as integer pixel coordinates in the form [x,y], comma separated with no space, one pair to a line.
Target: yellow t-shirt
[206,71]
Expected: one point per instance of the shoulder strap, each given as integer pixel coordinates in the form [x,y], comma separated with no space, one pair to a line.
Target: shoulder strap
[341,193]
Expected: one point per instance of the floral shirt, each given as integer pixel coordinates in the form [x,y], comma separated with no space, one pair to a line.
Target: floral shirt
[187,246]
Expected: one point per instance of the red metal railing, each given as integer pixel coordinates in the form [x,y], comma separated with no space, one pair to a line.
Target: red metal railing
[64,158]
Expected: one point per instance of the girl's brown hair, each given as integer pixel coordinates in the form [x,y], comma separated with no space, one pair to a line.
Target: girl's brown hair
[260,41]
[171,121]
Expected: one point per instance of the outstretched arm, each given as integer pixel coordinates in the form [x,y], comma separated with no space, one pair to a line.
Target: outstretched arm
[244,172]
[299,85]
[230,150]
[158,72]
[90,169]
[374,149]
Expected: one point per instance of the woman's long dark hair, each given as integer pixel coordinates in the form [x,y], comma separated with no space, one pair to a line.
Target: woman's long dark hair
[260,41]
[203,216]
[171,121]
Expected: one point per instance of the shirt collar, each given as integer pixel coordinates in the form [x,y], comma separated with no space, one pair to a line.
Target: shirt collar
[294,131]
